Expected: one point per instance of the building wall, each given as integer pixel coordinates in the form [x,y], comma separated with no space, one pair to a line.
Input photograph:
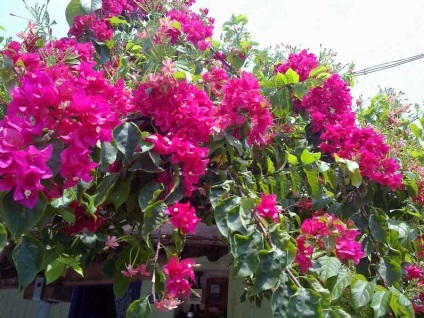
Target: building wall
[237,309]
[12,305]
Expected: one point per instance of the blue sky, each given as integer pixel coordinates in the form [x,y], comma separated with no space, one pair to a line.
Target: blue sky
[366,32]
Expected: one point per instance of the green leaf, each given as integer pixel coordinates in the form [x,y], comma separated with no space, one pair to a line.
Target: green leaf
[104,188]
[354,173]
[319,70]
[67,214]
[28,257]
[89,6]
[416,130]
[407,233]
[280,80]
[400,302]
[378,228]
[316,285]
[284,186]
[121,191]
[73,9]
[292,77]
[139,309]
[149,193]
[331,178]
[309,157]
[285,245]
[270,168]
[305,303]
[337,284]
[281,296]
[292,159]
[109,153]
[3,237]
[299,90]
[114,21]
[235,222]
[362,293]
[127,137]
[245,251]
[326,267]
[54,270]
[296,180]
[147,162]
[18,218]
[221,213]
[390,270]
[336,313]
[314,182]
[120,285]
[67,197]
[154,217]
[268,272]
[380,303]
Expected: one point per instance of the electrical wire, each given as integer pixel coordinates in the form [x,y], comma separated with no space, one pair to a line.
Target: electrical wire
[384,66]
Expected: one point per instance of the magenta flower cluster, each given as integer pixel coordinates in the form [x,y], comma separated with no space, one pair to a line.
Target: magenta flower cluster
[72,104]
[196,28]
[244,104]
[302,63]
[183,217]
[315,232]
[177,107]
[330,109]
[267,207]
[178,274]
[191,157]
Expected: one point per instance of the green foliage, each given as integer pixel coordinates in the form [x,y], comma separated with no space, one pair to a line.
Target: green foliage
[28,257]
[18,218]
[139,309]
[3,237]
[134,183]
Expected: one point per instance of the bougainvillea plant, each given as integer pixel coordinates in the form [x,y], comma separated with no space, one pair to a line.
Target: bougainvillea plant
[139,119]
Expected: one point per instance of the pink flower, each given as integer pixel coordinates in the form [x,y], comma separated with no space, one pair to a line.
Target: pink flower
[192,158]
[183,268]
[84,222]
[302,63]
[319,230]
[111,242]
[183,217]
[168,303]
[196,28]
[178,286]
[178,273]
[243,105]
[169,67]
[346,249]
[177,107]
[142,270]
[130,271]
[267,208]
[413,271]
[102,30]
[303,254]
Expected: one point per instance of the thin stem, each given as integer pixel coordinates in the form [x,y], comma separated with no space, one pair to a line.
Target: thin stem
[229,67]
[292,277]
[155,260]
[262,228]
[268,238]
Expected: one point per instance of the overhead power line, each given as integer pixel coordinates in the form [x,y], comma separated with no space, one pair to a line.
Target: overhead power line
[384,66]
